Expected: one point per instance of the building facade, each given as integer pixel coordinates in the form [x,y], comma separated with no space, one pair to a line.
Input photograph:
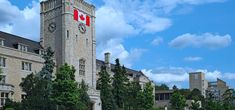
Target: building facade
[68,27]
[215,88]
[197,80]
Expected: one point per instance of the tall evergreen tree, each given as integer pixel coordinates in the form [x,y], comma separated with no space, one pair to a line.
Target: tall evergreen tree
[178,101]
[103,84]
[228,99]
[38,87]
[148,96]
[84,97]
[132,99]
[120,81]
[65,89]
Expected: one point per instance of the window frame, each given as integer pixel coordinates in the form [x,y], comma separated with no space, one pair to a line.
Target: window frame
[2,61]
[82,67]
[26,66]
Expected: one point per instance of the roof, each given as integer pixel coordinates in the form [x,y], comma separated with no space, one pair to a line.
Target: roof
[11,41]
[129,71]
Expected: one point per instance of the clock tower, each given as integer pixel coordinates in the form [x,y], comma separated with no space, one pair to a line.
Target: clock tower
[68,27]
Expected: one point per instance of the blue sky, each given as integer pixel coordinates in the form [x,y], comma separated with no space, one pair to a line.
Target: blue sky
[166,39]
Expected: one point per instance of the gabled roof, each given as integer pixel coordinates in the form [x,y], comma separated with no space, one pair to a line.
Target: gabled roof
[129,71]
[11,41]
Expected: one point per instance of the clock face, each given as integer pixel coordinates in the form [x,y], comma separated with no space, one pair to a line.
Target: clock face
[82,28]
[52,27]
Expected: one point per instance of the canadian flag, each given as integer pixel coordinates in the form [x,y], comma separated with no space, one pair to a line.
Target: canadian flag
[81,17]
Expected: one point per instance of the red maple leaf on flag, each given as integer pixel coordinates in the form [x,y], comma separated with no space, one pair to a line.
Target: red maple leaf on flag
[82,17]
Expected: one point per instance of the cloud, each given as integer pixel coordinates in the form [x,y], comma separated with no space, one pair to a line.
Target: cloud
[230,76]
[206,40]
[110,24]
[117,50]
[180,75]
[191,59]
[157,41]
[168,74]
[20,22]
[168,5]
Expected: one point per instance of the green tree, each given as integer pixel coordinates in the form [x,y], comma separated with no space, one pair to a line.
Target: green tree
[103,84]
[228,99]
[195,92]
[195,105]
[175,87]
[212,104]
[84,97]
[148,96]
[119,84]
[132,99]
[65,89]
[161,87]
[38,87]
[178,101]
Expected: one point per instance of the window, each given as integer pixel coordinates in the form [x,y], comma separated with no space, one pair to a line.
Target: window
[196,76]
[41,52]
[26,66]
[76,37]
[1,42]
[3,98]
[22,48]
[3,79]
[67,34]
[82,67]
[2,62]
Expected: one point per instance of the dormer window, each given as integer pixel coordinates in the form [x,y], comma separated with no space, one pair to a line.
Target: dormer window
[22,47]
[41,51]
[1,42]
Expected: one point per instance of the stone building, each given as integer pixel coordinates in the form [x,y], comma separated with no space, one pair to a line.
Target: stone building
[197,80]
[132,74]
[68,27]
[216,88]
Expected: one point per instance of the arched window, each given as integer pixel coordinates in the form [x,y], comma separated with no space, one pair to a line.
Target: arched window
[82,66]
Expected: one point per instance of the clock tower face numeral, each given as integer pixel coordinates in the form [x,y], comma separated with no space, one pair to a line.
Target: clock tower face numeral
[52,27]
[82,28]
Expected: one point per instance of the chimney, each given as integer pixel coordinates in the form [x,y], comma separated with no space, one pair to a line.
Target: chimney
[107,60]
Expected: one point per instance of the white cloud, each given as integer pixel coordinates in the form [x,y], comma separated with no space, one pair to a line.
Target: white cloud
[157,41]
[168,74]
[117,50]
[110,24]
[169,5]
[211,75]
[193,58]
[20,22]
[230,76]
[177,75]
[206,40]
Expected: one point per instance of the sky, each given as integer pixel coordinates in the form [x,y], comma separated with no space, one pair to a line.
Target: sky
[165,39]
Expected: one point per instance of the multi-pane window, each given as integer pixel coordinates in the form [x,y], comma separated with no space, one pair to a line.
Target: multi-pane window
[82,67]
[1,42]
[22,47]
[3,98]
[3,79]
[26,66]
[2,62]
